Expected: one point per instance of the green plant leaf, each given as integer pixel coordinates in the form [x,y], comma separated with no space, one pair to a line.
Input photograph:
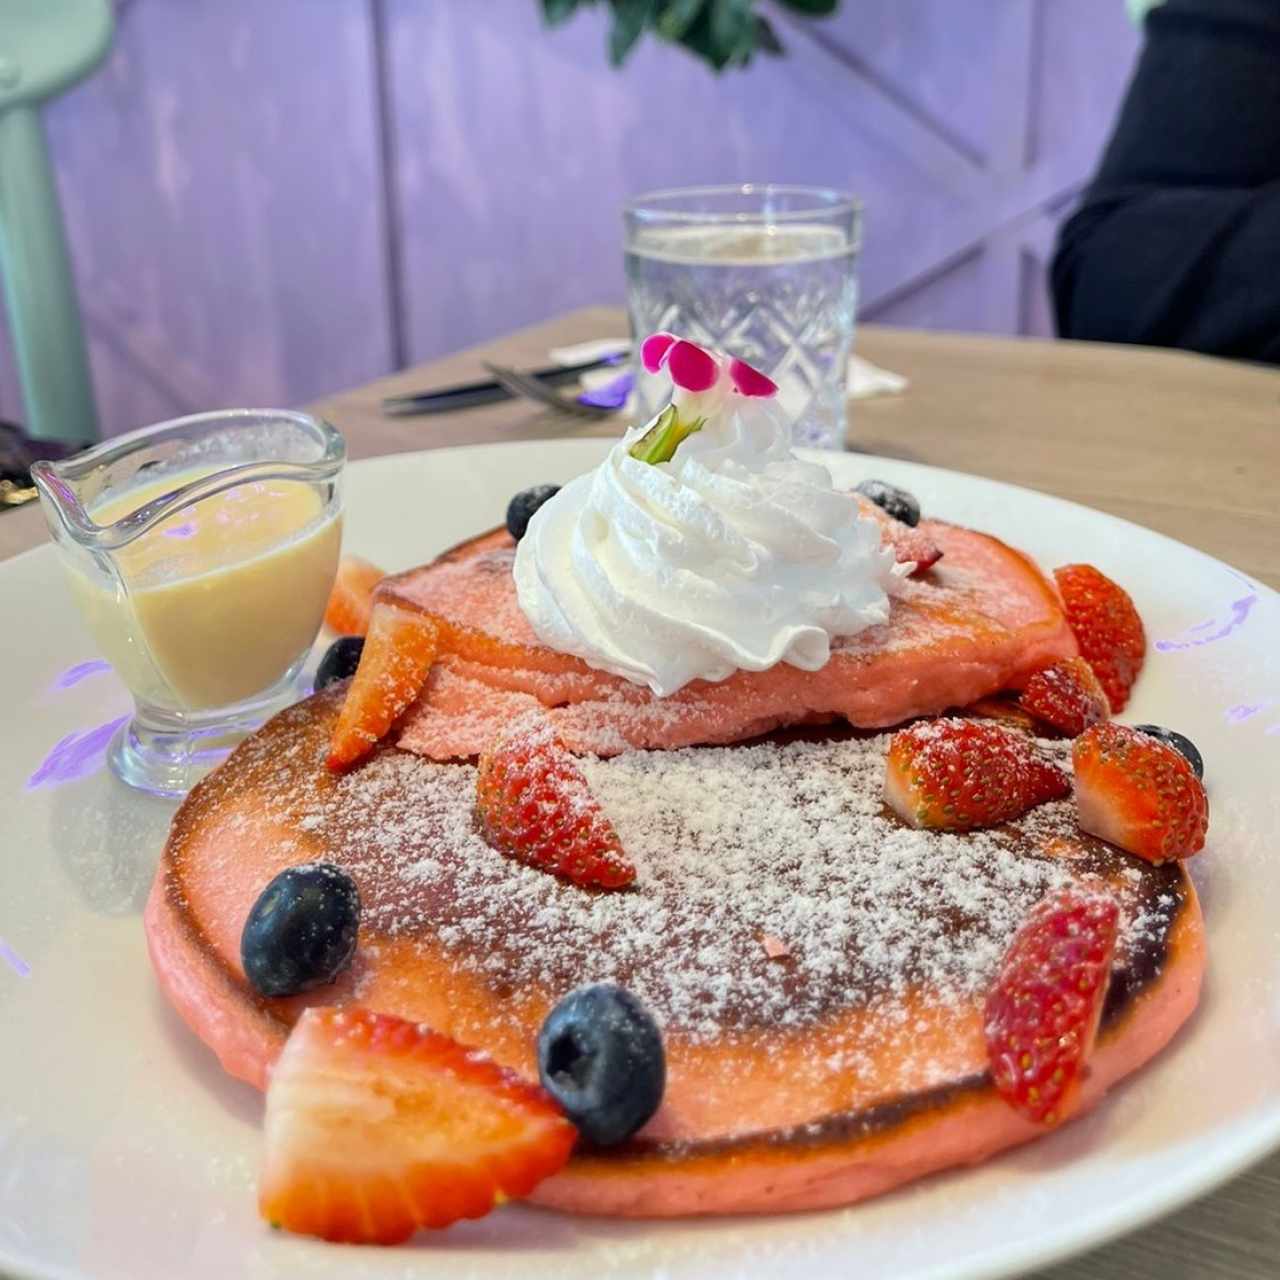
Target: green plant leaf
[677,17]
[722,33]
[554,12]
[767,38]
[699,40]
[733,30]
[812,8]
[630,17]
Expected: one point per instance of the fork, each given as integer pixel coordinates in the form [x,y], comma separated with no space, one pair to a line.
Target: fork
[529,388]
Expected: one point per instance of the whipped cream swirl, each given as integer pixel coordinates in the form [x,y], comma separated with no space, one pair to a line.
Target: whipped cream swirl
[734,554]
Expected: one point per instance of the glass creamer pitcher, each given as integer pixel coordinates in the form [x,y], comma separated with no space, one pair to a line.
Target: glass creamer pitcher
[201,553]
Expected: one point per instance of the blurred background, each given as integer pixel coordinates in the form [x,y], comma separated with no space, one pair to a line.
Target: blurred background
[270,201]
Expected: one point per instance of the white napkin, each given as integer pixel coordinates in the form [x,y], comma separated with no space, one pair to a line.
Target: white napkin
[584,352]
[865,379]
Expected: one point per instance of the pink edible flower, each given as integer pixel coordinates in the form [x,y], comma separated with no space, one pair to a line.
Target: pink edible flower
[691,368]
[653,350]
[749,381]
[694,368]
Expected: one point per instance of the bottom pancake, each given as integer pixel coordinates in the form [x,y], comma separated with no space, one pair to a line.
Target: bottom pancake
[817,968]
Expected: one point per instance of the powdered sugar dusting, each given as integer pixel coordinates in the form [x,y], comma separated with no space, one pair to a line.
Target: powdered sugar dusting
[773,887]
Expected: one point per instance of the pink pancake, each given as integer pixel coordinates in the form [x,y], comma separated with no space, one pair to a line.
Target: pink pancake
[817,968]
[982,620]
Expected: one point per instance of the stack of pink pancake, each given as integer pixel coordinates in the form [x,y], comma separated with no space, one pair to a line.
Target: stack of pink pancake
[818,969]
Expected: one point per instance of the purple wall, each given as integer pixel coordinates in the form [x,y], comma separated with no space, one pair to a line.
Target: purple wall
[271,201]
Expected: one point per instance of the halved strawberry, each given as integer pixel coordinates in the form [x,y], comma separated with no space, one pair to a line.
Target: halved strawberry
[376,1127]
[1042,1013]
[533,803]
[1106,626]
[1136,792]
[1067,696]
[351,600]
[394,664]
[959,774]
[912,546]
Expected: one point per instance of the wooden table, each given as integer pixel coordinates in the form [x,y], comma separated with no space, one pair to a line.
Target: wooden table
[1183,444]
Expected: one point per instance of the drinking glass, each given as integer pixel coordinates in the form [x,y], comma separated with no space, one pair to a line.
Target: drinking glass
[201,553]
[767,273]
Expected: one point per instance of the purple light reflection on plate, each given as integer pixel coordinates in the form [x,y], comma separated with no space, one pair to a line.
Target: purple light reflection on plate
[76,756]
[1244,710]
[1191,638]
[181,530]
[81,671]
[14,960]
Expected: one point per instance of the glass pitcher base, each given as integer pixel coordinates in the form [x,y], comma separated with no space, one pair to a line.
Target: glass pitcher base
[165,762]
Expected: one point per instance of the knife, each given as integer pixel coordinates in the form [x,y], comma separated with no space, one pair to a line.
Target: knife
[469,394]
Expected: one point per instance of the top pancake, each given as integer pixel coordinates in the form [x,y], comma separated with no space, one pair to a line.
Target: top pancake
[983,619]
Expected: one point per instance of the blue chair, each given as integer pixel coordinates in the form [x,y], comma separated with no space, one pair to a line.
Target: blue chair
[45,47]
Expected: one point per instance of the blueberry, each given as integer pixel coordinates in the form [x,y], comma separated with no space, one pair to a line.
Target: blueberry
[896,502]
[521,508]
[1179,742]
[340,661]
[301,932]
[600,1056]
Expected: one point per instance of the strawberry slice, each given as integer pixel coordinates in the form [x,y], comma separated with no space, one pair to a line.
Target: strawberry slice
[351,600]
[955,775]
[1067,696]
[534,804]
[1042,1013]
[912,546]
[376,1127]
[1136,792]
[397,656]
[1107,628]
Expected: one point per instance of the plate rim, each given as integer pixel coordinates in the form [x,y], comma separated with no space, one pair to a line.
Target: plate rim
[1232,1156]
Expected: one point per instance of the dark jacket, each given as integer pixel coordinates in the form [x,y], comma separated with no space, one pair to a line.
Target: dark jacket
[1176,242]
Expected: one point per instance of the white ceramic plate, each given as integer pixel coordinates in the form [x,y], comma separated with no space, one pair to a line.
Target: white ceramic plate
[124,1152]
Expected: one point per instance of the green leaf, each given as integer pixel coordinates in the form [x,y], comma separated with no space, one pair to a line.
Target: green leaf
[677,17]
[733,29]
[723,33]
[699,40]
[767,38]
[630,17]
[554,12]
[660,442]
[729,16]
[812,8]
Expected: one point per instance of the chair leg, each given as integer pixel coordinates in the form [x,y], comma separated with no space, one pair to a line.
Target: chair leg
[44,315]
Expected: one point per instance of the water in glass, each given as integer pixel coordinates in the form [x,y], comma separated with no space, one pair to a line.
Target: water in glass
[781,297]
